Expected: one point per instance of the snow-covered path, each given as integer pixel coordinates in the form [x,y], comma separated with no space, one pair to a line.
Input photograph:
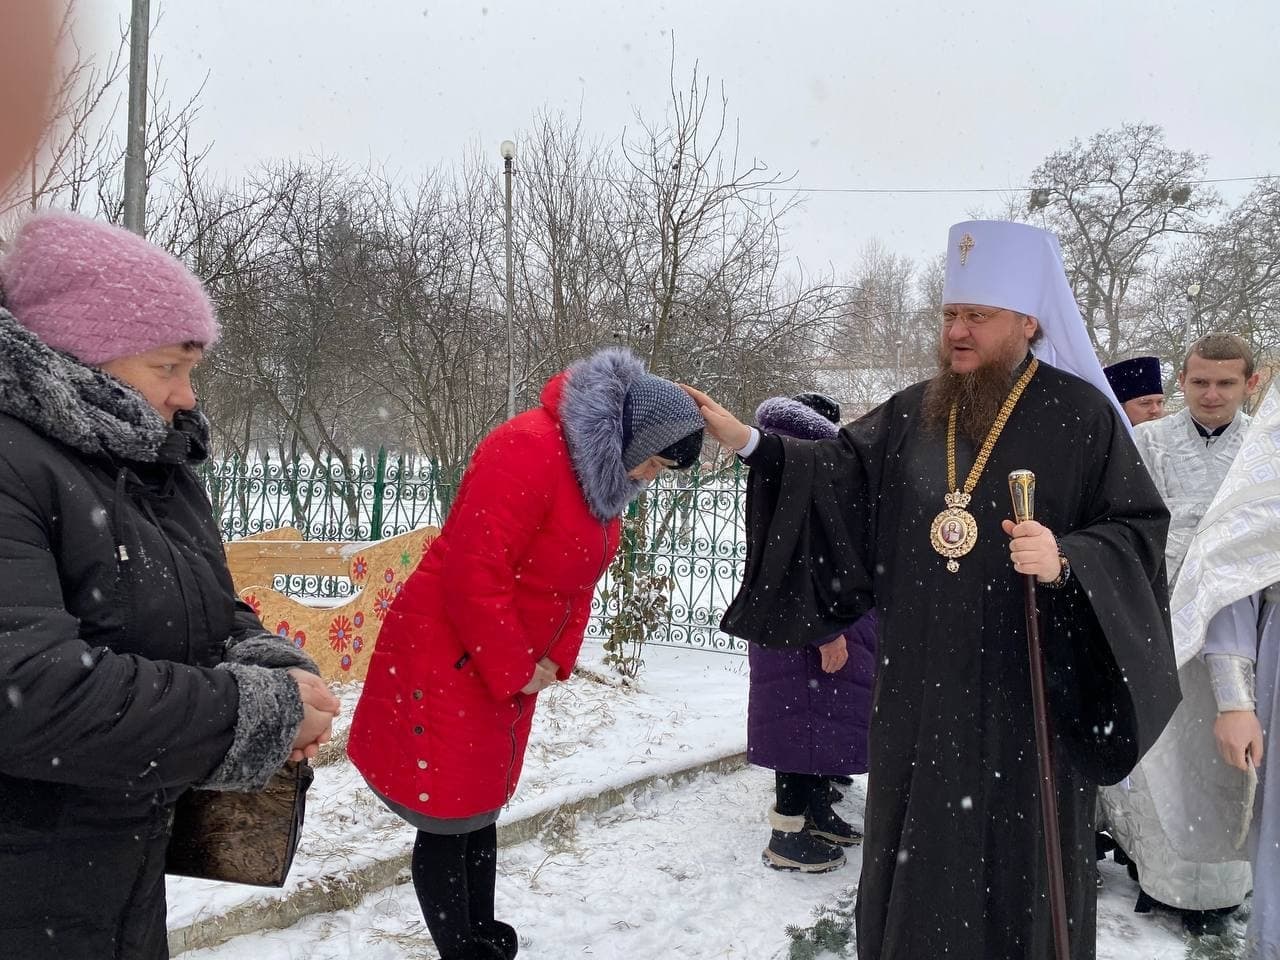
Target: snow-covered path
[588,736]
[675,873]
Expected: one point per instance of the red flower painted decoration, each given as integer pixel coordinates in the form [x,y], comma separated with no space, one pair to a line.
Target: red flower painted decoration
[254,604]
[359,569]
[345,662]
[389,575]
[383,603]
[339,634]
[300,639]
[282,629]
[357,619]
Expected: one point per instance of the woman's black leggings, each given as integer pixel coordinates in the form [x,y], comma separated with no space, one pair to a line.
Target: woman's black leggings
[796,791]
[454,877]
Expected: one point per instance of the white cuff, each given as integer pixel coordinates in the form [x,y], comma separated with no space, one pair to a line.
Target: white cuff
[1233,681]
[750,446]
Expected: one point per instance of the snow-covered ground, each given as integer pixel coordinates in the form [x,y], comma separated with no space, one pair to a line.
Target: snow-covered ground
[673,872]
[588,736]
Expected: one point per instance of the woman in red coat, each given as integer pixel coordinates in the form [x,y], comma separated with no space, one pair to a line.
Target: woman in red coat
[496,613]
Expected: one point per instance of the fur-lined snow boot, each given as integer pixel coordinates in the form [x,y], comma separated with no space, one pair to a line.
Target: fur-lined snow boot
[792,847]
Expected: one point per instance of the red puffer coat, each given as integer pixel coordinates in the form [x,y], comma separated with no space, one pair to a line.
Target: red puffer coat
[441,727]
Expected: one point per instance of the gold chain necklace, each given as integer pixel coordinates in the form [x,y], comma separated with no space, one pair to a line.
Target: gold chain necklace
[955,531]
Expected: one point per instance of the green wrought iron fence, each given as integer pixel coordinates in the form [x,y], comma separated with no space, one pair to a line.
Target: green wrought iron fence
[693,535]
[693,527]
[363,498]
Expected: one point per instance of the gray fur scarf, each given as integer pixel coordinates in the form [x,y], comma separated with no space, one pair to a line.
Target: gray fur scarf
[83,407]
[591,414]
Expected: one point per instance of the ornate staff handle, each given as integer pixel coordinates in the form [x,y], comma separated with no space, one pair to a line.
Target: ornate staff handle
[1022,488]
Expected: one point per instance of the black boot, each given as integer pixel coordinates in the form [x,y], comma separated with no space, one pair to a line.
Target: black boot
[499,935]
[792,847]
[1202,923]
[823,822]
[1102,845]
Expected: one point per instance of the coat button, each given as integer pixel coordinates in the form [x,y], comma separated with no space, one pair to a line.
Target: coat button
[417,694]
[422,764]
[423,797]
[418,730]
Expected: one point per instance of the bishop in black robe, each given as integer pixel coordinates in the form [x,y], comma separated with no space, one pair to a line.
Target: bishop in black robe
[954,858]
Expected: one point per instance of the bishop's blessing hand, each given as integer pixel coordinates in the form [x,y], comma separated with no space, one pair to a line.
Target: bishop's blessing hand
[1033,549]
[728,430]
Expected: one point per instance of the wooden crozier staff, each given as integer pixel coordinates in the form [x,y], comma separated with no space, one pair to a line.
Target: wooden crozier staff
[1022,488]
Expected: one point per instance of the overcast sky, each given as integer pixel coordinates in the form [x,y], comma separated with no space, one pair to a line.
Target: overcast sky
[849,94]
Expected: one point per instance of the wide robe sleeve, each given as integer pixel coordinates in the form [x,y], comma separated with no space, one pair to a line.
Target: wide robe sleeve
[811,528]
[1112,680]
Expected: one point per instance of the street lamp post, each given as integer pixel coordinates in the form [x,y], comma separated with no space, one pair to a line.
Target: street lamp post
[1193,291]
[135,159]
[508,169]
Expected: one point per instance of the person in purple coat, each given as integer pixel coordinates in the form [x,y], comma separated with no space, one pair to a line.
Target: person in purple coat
[810,707]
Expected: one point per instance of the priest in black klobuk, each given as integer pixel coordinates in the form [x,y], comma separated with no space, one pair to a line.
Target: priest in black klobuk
[908,510]
[1139,386]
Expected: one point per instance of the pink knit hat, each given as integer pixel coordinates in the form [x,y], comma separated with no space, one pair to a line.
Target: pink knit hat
[100,292]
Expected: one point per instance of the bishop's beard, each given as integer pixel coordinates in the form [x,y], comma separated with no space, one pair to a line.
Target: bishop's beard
[977,397]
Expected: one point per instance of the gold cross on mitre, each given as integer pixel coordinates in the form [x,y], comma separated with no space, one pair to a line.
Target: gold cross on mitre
[967,244]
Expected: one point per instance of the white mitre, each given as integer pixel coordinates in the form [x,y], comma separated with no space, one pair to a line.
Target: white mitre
[1013,266]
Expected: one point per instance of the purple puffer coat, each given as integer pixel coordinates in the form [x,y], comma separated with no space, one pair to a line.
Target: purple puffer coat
[799,719]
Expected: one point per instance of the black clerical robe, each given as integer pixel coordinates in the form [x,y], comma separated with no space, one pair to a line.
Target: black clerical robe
[953,862]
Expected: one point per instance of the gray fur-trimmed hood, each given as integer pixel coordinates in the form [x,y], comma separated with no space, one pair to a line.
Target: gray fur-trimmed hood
[590,411]
[791,418]
[85,408]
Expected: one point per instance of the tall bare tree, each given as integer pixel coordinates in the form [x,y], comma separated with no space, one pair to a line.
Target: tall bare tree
[1115,202]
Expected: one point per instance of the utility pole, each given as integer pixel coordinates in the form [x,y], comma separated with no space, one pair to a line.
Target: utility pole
[135,160]
[1193,291]
[508,165]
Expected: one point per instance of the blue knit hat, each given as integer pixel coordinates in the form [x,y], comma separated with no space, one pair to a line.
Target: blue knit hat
[660,419]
